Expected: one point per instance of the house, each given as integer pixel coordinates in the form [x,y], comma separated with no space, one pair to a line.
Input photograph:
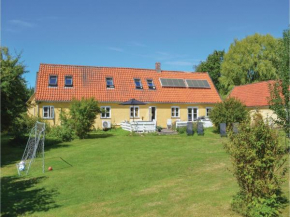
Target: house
[256,97]
[168,94]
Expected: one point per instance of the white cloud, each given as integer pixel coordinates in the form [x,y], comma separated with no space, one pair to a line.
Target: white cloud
[21,23]
[137,44]
[116,49]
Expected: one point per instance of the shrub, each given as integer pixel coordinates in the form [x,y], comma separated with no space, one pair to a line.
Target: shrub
[181,130]
[24,123]
[81,116]
[258,160]
[159,128]
[229,111]
[62,133]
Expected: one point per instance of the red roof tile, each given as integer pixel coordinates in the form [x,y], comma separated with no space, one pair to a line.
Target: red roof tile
[256,94]
[91,82]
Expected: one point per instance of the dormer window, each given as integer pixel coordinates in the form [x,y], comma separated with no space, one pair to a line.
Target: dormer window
[151,85]
[110,83]
[138,83]
[53,80]
[68,81]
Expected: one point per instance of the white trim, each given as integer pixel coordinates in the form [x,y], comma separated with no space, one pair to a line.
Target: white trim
[104,107]
[134,111]
[175,111]
[206,111]
[197,112]
[50,112]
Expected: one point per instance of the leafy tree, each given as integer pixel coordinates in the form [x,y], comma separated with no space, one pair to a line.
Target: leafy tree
[254,58]
[258,159]
[229,111]
[81,117]
[13,88]
[212,65]
[279,100]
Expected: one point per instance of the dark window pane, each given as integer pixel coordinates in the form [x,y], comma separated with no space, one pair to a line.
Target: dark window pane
[68,81]
[138,83]
[53,80]
[109,81]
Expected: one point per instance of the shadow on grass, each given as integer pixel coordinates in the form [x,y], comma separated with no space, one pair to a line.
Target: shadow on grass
[12,150]
[19,196]
[99,135]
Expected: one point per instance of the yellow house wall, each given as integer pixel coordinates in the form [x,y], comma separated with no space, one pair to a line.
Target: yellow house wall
[120,113]
[32,108]
[265,112]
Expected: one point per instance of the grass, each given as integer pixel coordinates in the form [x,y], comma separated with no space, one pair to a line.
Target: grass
[116,174]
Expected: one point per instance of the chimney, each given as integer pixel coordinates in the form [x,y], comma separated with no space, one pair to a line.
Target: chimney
[158,67]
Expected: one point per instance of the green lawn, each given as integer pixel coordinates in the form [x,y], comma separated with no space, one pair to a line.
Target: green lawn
[115,174]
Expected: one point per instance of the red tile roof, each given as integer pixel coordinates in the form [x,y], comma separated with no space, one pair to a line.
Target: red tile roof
[91,82]
[255,94]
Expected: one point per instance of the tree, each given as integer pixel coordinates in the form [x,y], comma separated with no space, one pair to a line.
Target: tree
[212,65]
[254,58]
[229,111]
[13,88]
[258,159]
[81,117]
[279,99]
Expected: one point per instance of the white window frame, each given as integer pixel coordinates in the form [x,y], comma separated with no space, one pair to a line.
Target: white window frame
[197,112]
[134,111]
[206,113]
[50,112]
[105,107]
[175,107]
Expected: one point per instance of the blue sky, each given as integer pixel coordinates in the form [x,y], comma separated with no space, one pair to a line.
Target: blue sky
[133,33]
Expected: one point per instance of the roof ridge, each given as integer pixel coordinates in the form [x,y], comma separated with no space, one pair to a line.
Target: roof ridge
[254,83]
[52,64]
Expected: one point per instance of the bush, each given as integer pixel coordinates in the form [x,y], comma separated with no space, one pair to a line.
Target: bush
[258,160]
[181,130]
[159,128]
[62,133]
[229,111]
[81,116]
[24,123]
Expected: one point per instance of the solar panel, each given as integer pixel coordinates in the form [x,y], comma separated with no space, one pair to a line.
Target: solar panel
[169,82]
[197,83]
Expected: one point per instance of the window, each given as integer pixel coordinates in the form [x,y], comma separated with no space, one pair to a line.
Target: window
[52,80]
[138,83]
[175,111]
[68,81]
[48,112]
[134,111]
[208,110]
[151,84]
[106,112]
[110,83]
[192,114]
